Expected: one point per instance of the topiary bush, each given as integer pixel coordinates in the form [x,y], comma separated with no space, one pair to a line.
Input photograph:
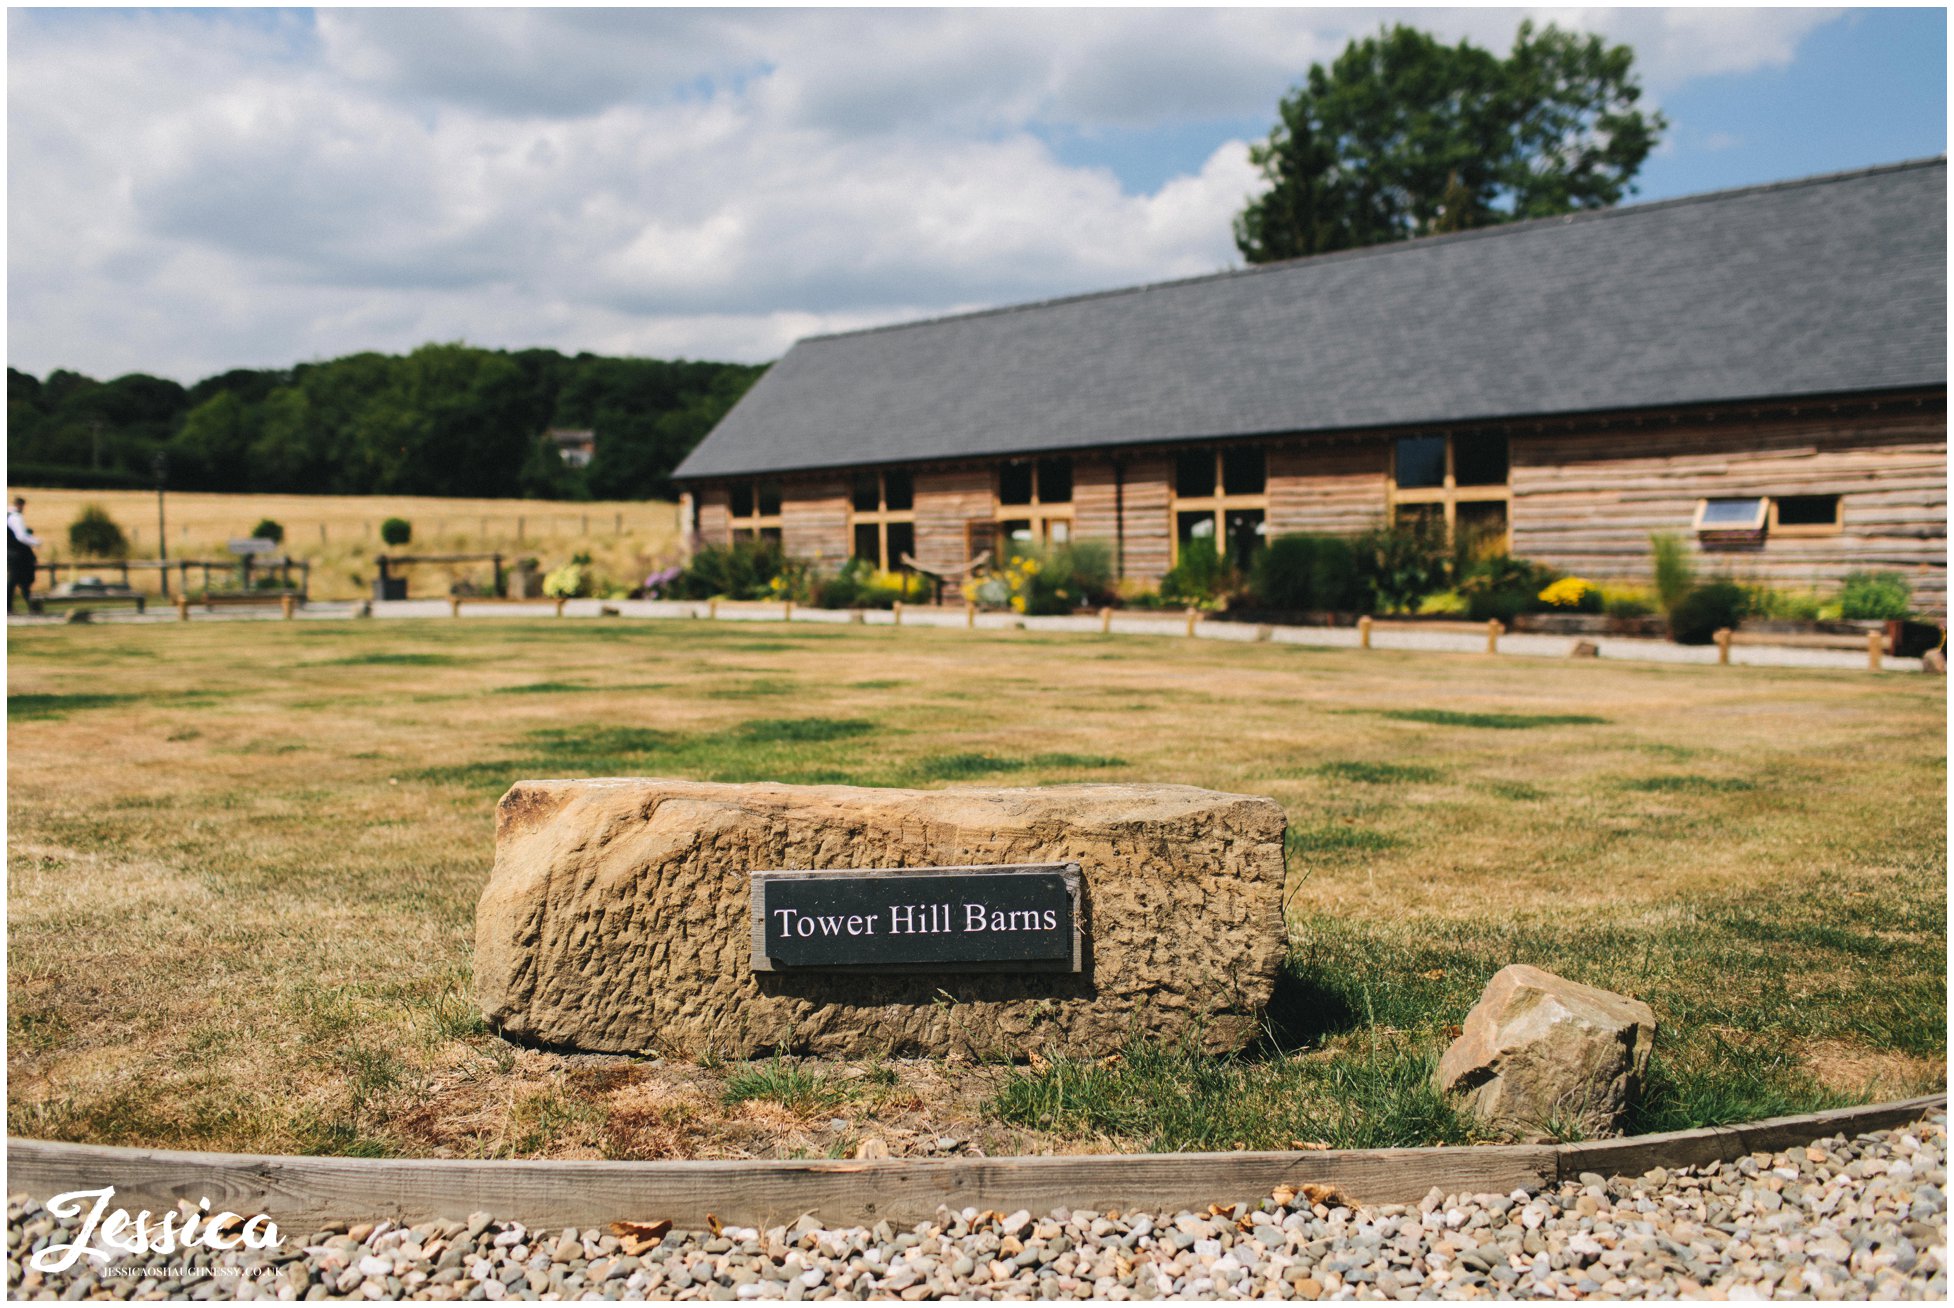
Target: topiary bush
[1675,574]
[95,535]
[1301,572]
[1880,596]
[396,531]
[271,530]
[1696,617]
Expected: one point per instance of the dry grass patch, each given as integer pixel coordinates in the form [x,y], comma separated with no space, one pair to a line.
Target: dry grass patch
[245,857]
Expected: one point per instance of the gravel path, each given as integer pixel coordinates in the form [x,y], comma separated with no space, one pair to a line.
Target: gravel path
[1842,1219]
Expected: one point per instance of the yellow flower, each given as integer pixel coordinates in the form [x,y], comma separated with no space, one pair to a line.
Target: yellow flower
[1017,602]
[1566,593]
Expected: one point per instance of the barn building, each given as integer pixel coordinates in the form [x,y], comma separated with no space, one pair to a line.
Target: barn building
[1761,370]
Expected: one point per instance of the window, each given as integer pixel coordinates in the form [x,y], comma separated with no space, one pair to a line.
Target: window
[1033,505]
[1733,514]
[1805,515]
[1222,496]
[755,510]
[882,521]
[1455,483]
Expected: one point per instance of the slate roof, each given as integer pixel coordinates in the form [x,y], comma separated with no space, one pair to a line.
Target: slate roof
[1827,285]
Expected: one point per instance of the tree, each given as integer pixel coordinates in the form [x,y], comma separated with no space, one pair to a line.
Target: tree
[1403,136]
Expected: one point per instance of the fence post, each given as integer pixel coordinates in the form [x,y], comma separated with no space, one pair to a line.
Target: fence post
[1493,628]
[559,606]
[1193,616]
[454,606]
[1723,645]
[182,607]
[1873,649]
[970,616]
[1364,632]
[286,603]
[712,608]
[786,610]
[1105,621]
[895,612]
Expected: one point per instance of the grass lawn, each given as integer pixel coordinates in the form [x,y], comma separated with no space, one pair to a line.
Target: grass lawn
[245,857]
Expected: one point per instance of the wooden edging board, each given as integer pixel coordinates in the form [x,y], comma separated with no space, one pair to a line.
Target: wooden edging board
[301,1192]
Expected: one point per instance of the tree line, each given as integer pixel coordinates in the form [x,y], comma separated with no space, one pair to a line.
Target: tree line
[452,420]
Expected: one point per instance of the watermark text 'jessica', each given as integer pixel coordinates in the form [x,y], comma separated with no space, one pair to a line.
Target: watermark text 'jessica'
[107,1233]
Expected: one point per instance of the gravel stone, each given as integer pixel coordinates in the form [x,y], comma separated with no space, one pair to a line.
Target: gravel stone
[1840,1219]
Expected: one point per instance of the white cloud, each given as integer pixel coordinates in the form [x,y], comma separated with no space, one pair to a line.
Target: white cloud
[194,191]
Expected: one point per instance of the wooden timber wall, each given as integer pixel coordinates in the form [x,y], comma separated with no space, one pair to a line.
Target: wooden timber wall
[1334,489]
[814,522]
[1586,502]
[1585,499]
[946,501]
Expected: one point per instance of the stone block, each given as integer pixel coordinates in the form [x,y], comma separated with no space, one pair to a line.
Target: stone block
[617,917]
[1541,1056]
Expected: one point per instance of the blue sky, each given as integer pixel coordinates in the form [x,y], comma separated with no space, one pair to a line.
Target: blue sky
[195,190]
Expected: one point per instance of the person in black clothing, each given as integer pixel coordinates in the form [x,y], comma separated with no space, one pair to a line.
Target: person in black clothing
[20,555]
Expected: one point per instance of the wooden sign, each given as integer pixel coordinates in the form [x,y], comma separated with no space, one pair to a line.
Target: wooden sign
[1006,917]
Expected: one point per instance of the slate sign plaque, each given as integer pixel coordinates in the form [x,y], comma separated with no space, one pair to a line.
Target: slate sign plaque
[1000,918]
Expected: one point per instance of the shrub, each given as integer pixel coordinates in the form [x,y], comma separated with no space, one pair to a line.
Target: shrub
[396,531]
[1202,579]
[1443,604]
[1051,579]
[1501,586]
[95,535]
[1675,574]
[571,581]
[1784,605]
[1875,595]
[1299,572]
[860,586]
[1398,566]
[662,584]
[1572,595]
[1703,609]
[1626,601]
[745,570]
[271,530]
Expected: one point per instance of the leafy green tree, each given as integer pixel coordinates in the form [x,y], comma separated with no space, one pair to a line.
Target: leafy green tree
[1404,136]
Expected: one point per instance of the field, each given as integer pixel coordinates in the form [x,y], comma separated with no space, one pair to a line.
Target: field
[245,856]
[340,534]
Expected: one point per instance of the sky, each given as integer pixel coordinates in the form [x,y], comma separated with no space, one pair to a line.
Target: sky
[195,190]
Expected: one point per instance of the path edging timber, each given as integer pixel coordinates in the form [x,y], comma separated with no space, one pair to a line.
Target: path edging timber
[302,1192]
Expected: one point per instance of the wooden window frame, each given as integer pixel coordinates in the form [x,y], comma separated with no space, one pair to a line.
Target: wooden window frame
[1756,523]
[1450,494]
[1039,514]
[756,523]
[1800,529]
[880,517]
[1220,504]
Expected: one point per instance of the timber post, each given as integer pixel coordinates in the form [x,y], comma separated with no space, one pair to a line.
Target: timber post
[1493,629]
[1105,622]
[1723,645]
[1874,649]
[1364,632]
[182,606]
[895,612]
[970,616]
[288,604]
[1193,616]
